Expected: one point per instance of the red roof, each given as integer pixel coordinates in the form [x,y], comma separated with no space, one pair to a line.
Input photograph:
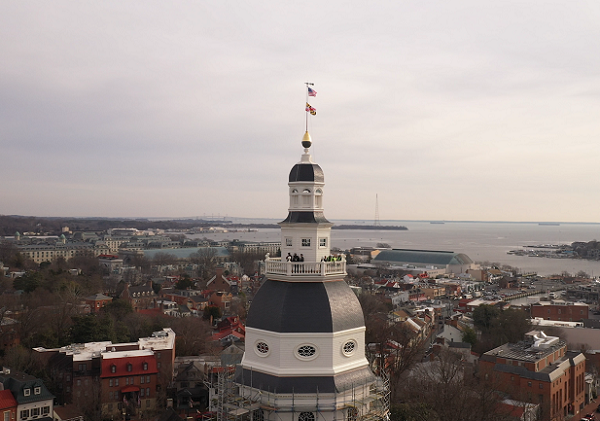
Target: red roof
[121,365]
[127,389]
[7,400]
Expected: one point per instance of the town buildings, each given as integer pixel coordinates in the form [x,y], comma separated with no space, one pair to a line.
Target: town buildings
[118,378]
[560,310]
[539,370]
[32,398]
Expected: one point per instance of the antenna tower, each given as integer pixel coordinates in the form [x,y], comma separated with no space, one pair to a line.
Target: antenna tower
[376,222]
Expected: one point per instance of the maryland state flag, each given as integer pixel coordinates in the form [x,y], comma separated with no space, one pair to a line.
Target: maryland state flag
[310,109]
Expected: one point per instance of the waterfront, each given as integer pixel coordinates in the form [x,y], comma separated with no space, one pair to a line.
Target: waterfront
[482,241]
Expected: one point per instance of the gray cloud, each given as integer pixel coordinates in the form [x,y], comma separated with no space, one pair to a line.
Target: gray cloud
[462,110]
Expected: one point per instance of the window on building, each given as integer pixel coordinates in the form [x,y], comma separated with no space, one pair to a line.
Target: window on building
[78,382]
[110,382]
[129,367]
[306,242]
[116,382]
[541,385]
[6,415]
[147,379]
[142,380]
[158,364]
[142,392]
[145,366]
[288,242]
[68,389]
[322,242]
[45,410]
[37,390]
[529,384]
[113,368]
[26,392]
[126,381]
[68,377]
[158,355]
[25,414]
[148,392]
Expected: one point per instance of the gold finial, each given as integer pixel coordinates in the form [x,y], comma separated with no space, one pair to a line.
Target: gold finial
[306,140]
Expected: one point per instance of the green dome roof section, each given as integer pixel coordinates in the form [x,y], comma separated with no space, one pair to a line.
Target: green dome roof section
[422,258]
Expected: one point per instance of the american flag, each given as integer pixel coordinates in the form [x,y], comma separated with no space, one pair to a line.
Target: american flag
[311,92]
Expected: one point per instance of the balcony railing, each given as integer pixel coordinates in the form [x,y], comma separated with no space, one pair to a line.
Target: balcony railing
[274,265]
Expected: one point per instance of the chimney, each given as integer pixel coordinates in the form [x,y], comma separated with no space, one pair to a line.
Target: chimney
[219,271]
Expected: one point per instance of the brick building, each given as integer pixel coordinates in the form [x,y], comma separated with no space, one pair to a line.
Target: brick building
[219,282]
[565,311]
[141,297]
[129,377]
[539,370]
[8,405]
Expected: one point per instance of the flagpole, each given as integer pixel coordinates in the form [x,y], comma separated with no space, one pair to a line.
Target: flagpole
[306,112]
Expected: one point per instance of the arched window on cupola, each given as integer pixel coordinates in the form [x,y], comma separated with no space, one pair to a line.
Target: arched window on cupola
[318,198]
[294,198]
[306,198]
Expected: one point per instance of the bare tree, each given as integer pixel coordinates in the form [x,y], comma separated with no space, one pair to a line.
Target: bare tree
[206,259]
[446,390]
[164,259]
[193,335]
[248,261]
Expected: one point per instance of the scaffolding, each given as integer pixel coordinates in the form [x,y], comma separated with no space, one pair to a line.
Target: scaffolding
[238,402]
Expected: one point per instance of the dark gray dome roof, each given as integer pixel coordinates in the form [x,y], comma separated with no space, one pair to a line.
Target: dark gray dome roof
[309,217]
[305,307]
[306,384]
[307,172]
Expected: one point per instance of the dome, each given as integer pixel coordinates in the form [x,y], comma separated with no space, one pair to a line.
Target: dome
[304,172]
[288,307]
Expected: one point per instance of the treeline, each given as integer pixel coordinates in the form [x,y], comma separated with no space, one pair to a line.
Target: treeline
[11,224]
[586,250]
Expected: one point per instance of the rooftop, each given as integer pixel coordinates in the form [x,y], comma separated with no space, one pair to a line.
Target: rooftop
[162,339]
[537,346]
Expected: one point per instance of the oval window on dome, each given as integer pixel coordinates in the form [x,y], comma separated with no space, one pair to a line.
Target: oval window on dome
[349,347]
[306,351]
[306,416]
[262,348]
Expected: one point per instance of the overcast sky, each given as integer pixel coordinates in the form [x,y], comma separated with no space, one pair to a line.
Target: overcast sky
[453,110]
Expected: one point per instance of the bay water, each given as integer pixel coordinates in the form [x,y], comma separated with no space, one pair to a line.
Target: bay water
[481,241]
